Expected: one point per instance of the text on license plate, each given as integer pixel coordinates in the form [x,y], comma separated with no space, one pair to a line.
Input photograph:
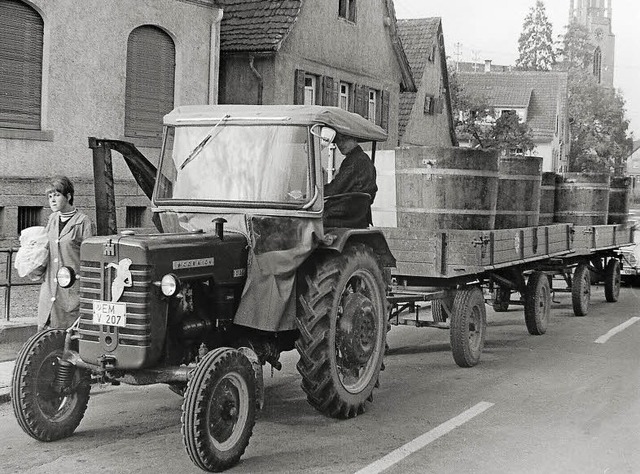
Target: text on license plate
[111,314]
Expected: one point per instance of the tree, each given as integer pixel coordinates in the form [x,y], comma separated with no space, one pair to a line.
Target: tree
[535,45]
[475,121]
[599,140]
[510,135]
[575,48]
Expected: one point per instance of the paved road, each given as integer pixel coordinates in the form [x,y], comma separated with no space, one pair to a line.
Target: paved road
[558,403]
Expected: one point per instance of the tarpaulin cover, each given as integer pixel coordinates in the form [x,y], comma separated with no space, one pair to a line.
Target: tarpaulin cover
[278,246]
[347,123]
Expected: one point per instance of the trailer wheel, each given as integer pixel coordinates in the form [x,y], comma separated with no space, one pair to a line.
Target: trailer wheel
[219,410]
[44,412]
[437,311]
[537,303]
[581,289]
[468,326]
[501,299]
[342,332]
[612,279]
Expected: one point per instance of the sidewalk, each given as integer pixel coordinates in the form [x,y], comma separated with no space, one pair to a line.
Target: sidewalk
[13,334]
[6,369]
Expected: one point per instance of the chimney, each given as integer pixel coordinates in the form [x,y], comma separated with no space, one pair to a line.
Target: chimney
[487,65]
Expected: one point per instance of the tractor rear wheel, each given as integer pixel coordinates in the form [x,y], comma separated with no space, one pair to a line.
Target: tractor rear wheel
[46,409]
[343,331]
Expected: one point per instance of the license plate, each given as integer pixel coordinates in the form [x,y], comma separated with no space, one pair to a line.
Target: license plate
[110,314]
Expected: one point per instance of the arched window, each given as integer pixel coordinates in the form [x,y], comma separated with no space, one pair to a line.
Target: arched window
[150,81]
[21,38]
[597,64]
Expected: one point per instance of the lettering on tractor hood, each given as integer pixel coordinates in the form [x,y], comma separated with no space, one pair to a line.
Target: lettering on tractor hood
[193,263]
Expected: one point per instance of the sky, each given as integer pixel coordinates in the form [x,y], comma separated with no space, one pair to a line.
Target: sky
[489,29]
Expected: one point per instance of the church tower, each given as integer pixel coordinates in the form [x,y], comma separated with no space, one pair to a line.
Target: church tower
[596,16]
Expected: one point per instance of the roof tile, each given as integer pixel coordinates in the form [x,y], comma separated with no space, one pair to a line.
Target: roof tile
[418,36]
[256,25]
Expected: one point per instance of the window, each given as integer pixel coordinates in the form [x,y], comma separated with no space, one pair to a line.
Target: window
[310,84]
[135,216]
[150,81]
[344,95]
[347,9]
[429,104]
[28,216]
[21,40]
[597,64]
[371,109]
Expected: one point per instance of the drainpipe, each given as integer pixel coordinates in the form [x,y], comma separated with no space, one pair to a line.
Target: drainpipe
[214,58]
[259,77]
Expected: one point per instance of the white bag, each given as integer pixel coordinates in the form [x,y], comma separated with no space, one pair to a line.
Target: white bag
[33,255]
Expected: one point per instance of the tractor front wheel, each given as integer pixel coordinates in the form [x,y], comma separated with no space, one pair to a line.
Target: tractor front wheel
[48,401]
[219,410]
[342,331]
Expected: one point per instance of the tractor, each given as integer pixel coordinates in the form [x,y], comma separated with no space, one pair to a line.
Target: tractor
[243,266]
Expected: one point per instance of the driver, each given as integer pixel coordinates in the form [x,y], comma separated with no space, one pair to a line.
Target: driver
[356,174]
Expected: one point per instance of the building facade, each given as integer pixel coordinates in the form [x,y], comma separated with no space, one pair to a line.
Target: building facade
[343,53]
[425,116]
[111,73]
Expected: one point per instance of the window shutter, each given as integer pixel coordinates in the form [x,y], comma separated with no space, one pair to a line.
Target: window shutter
[150,81]
[379,108]
[335,93]
[361,99]
[298,94]
[384,118]
[21,39]
[327,90]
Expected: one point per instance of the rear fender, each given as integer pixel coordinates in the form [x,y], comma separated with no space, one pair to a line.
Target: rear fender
[338,239]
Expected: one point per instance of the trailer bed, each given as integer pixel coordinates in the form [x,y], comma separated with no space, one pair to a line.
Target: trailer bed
[458,253]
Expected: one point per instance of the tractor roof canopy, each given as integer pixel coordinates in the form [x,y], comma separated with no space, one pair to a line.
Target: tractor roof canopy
[346,123]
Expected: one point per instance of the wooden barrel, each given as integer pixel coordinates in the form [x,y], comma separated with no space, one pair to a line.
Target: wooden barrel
[446,188]
[582,198]
[547,197]
[518,202]
[619,200]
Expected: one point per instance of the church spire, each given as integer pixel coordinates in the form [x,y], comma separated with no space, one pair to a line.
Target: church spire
[595,15]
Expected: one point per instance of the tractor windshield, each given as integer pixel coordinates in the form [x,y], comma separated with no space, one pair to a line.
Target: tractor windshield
[237,165]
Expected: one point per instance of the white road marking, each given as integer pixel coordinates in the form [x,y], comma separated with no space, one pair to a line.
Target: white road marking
[616,330]
[423,440]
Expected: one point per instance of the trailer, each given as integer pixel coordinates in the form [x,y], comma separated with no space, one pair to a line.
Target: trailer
[454,269]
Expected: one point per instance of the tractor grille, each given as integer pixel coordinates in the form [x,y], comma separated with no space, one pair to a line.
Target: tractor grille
[95,284]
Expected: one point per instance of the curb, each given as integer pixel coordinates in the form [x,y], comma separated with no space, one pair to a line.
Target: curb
[18,332]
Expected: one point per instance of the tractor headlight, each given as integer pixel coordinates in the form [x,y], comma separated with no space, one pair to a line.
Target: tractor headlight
[170,285]
[66,277]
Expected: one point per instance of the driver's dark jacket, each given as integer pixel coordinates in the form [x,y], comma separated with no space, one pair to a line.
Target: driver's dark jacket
[357,174]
